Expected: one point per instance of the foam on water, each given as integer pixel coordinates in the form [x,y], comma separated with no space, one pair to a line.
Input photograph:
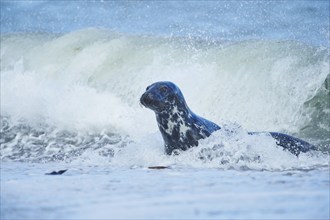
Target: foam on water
[70,100]
[77,94]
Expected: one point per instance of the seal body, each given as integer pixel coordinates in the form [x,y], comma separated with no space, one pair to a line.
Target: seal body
[179,126]
[182,129]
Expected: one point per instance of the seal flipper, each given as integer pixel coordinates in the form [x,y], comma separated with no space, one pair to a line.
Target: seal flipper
[292,144]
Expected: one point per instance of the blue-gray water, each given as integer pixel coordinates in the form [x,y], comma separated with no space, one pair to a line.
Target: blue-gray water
[72,73]
[306,21]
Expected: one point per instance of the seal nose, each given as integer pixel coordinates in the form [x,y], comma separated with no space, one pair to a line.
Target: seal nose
[146,99]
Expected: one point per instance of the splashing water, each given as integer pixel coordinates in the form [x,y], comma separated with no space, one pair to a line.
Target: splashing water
[70,101]
[69,95]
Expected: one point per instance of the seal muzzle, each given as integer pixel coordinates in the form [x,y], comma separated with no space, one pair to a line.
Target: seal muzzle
[146,99]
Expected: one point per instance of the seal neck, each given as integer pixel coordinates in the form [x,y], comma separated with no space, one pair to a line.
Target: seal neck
[175,117]
[174,112]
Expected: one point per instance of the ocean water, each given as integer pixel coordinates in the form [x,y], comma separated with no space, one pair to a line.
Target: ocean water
[72,73]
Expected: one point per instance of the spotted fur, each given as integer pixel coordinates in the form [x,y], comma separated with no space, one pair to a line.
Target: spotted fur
[182,129]
[179,126]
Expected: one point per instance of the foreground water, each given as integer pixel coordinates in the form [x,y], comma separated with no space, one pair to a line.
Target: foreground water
[71,77]
[103,192]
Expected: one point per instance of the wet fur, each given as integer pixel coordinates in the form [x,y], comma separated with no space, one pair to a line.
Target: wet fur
[182,129]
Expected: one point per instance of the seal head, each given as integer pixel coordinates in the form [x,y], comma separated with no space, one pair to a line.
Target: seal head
[179,126]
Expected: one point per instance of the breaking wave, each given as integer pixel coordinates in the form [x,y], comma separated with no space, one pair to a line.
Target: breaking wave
[75,96]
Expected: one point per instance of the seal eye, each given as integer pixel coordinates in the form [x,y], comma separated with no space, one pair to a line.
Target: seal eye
[163,89]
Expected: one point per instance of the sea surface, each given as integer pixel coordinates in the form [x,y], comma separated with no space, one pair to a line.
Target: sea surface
[72,73]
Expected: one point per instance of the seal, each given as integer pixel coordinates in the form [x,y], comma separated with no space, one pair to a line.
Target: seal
[181,129]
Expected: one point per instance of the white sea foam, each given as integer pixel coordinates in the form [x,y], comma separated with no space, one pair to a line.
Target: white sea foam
[73,98]
[90,81]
